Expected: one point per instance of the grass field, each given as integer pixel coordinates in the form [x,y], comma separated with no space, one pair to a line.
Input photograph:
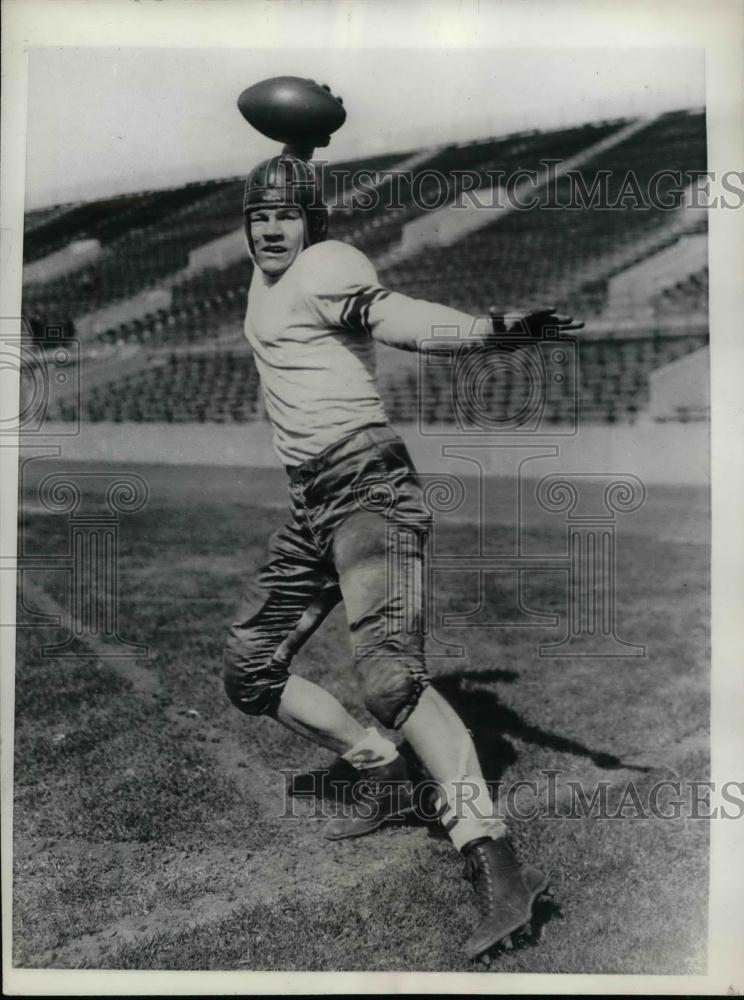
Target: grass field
[148,826]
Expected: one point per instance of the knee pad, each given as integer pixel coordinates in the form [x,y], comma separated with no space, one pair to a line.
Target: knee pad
[392,689]
[253,684]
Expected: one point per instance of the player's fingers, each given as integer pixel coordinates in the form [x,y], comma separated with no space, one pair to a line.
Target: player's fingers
[543,311]
[560,319]
[567,322]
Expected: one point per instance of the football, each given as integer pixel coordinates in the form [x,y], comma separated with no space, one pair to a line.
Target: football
[293,110]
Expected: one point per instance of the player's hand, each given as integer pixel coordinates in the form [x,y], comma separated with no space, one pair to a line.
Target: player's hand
[532,324]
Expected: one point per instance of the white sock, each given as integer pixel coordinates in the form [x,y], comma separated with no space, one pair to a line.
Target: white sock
[372,751]
[469,811]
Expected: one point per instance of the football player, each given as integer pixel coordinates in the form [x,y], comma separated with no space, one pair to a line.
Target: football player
[315,310]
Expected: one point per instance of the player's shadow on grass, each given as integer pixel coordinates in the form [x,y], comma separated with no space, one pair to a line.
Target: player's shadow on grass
[490,721]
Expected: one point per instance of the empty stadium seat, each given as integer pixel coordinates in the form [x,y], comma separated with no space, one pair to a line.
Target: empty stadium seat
[526,254]
[223,386]
[513,263]
[216,386]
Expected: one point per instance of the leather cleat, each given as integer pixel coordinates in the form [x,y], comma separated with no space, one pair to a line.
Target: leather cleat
[505,892]
[379,795]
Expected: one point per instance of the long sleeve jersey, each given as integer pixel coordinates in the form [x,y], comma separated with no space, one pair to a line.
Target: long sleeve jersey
[312,334]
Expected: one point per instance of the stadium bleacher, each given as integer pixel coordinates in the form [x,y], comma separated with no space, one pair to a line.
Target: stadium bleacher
[38,218]
[142,246]
[690,295]
[195,366]
[106,219]
[210,386]
[208,306]
[528,254]
[610,382]
[374,230]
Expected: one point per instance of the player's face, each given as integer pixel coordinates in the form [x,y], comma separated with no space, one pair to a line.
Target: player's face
[278,236]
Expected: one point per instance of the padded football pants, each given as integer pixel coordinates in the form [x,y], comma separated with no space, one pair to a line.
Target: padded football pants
[355,533]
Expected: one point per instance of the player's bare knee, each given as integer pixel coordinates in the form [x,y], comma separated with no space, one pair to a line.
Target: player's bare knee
[392,690]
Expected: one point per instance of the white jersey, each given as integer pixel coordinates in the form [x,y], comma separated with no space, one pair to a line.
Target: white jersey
[312,337]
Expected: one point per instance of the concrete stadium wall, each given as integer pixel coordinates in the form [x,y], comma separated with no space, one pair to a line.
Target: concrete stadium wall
[659,453]
[218,253]
[447,225]
[630,291]
[149,300]
[681,386]
[71,258]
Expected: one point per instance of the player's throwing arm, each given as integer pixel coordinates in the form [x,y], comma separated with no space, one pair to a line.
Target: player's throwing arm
[315,309]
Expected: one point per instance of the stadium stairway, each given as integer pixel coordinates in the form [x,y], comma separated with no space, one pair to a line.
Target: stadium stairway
[457,221]
[568,258]
[378,233]
[73,257]
[630,292]
[589,289]
[227,249]
[680,390]
[182,387]
[527,255]
[212,213]
[107,219]
[37,218]
[682,299]
[144,244]
[609,383]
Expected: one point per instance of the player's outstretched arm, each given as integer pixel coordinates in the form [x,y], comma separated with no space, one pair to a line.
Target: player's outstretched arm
[418,325]
[343,290]
[532,324]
